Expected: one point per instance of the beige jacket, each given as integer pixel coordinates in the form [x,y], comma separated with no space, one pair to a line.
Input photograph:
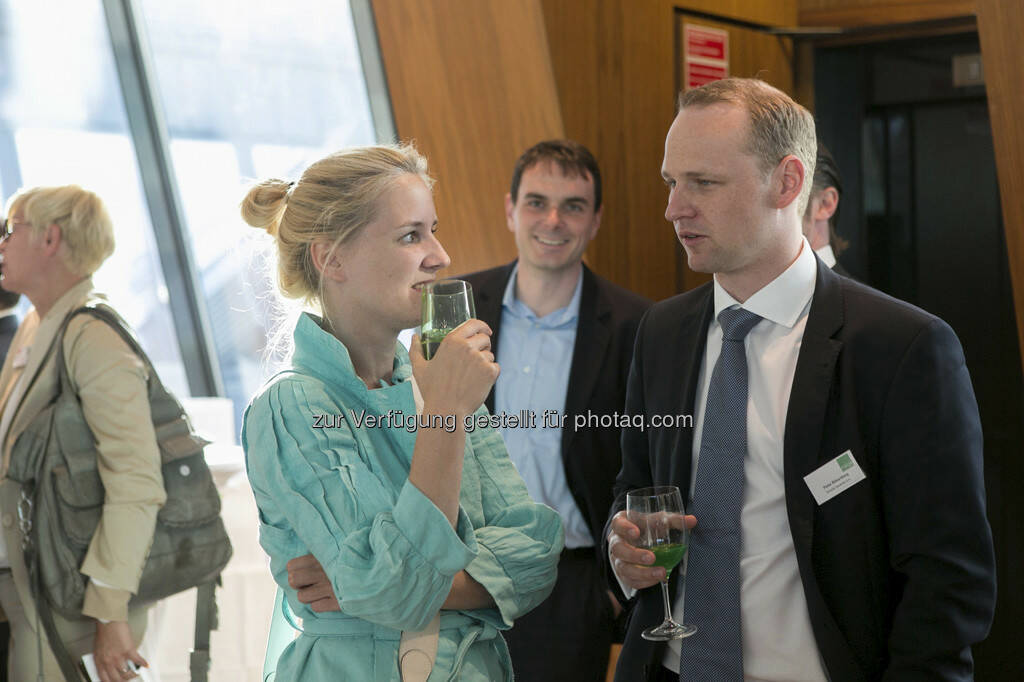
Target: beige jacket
[110,381]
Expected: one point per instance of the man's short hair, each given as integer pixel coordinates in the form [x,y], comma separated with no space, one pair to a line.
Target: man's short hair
[778,125]
[572,158]
[826,174]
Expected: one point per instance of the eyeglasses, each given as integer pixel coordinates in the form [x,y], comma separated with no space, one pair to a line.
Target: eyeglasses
[7,228]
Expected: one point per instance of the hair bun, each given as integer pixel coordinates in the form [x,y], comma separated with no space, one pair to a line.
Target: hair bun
[265,203]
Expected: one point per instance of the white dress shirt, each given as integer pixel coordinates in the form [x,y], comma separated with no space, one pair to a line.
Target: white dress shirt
[827,255]
[778,642]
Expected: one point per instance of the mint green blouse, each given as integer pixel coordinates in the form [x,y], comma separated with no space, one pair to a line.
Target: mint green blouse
[340,491]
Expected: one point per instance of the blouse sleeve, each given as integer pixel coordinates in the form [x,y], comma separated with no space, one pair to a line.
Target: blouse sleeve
[520,544]
[390,556]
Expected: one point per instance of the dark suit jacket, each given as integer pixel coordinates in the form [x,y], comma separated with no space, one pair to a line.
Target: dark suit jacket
[607,324]
[898,570]
[8,325]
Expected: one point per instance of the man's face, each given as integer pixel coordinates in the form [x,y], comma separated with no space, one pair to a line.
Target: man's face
[553,218]
[720,201]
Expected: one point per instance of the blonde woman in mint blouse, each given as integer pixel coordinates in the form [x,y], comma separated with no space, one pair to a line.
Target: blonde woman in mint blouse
[406,524]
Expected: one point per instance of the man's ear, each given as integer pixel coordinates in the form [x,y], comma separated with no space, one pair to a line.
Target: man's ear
[828,202]
[597,222]
[510,207]
[327,260]
[789,181]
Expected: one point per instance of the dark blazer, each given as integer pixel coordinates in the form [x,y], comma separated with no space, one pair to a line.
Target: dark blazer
[8,325]
[898,570]
[607,324]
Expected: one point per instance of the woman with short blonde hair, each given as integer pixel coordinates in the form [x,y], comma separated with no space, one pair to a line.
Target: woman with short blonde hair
[54,239]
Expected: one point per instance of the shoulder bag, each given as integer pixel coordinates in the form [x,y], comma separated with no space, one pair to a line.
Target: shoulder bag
[55,461]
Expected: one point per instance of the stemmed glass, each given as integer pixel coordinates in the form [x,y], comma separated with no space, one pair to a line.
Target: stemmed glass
[445,304]
[658,513]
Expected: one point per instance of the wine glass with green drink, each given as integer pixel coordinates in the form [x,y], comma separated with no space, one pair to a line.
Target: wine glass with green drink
[658,513]
[445,304]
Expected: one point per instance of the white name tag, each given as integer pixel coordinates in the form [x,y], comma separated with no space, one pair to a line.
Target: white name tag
[834,477]
[20,357]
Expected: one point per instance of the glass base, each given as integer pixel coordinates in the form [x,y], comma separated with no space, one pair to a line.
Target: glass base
[668,630]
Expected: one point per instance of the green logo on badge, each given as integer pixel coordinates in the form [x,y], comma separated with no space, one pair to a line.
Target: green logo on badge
[845,461]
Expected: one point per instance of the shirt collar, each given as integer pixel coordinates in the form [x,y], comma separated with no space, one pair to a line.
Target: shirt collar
[322,354]
[69,300]
[556,318]
[827,255]
[784,298]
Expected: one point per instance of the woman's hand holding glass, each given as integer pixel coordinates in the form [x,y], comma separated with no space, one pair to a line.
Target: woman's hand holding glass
[461,373]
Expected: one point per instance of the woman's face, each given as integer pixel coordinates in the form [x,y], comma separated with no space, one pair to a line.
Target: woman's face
[383,268]
[19,252]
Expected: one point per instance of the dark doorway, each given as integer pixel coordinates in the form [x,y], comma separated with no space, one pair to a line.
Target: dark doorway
[921,211]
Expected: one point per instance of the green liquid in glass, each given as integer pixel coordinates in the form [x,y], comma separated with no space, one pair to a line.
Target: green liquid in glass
[667,556]
[431,339]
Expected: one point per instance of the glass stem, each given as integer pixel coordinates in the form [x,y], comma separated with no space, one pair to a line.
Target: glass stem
[664,596]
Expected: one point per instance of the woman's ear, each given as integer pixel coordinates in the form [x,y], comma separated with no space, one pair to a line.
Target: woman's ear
[327,261]
[51,238]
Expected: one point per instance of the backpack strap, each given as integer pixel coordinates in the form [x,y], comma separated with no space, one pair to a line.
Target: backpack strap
[206,620]
[44,617]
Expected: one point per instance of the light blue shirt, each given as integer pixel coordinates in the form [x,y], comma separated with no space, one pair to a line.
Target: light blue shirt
[535,354]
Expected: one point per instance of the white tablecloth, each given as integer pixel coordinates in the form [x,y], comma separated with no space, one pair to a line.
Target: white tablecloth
[244,602]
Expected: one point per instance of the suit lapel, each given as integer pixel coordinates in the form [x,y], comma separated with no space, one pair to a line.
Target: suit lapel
[488,308]
[592,337]
[686,352]
[809,397]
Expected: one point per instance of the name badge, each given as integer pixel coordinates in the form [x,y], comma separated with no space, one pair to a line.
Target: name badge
[20,357]
[834,477]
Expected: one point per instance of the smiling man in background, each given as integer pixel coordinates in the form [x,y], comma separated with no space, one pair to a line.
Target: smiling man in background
[564,339]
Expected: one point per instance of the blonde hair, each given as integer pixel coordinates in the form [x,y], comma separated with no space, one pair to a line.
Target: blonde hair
[778,125]
[87,233]
[335,198]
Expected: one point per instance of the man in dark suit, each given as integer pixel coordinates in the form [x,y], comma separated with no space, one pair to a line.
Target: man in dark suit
[822,212]
[564,339]
[879,564]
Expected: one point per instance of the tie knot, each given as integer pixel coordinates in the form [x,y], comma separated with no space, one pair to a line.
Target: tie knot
[736,322]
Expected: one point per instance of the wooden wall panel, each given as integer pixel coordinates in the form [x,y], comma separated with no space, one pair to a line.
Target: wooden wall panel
[773,13]
[615,67]
[612,63]
[1000,27]
[471,83]
[867,12]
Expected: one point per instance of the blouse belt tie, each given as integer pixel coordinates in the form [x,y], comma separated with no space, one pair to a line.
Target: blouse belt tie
[450,620]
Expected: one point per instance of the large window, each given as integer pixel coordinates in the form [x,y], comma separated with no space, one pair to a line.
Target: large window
[249,89]
[62,121]
[209,95]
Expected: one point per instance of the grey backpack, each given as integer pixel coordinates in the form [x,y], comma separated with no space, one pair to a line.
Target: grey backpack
[55,461]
